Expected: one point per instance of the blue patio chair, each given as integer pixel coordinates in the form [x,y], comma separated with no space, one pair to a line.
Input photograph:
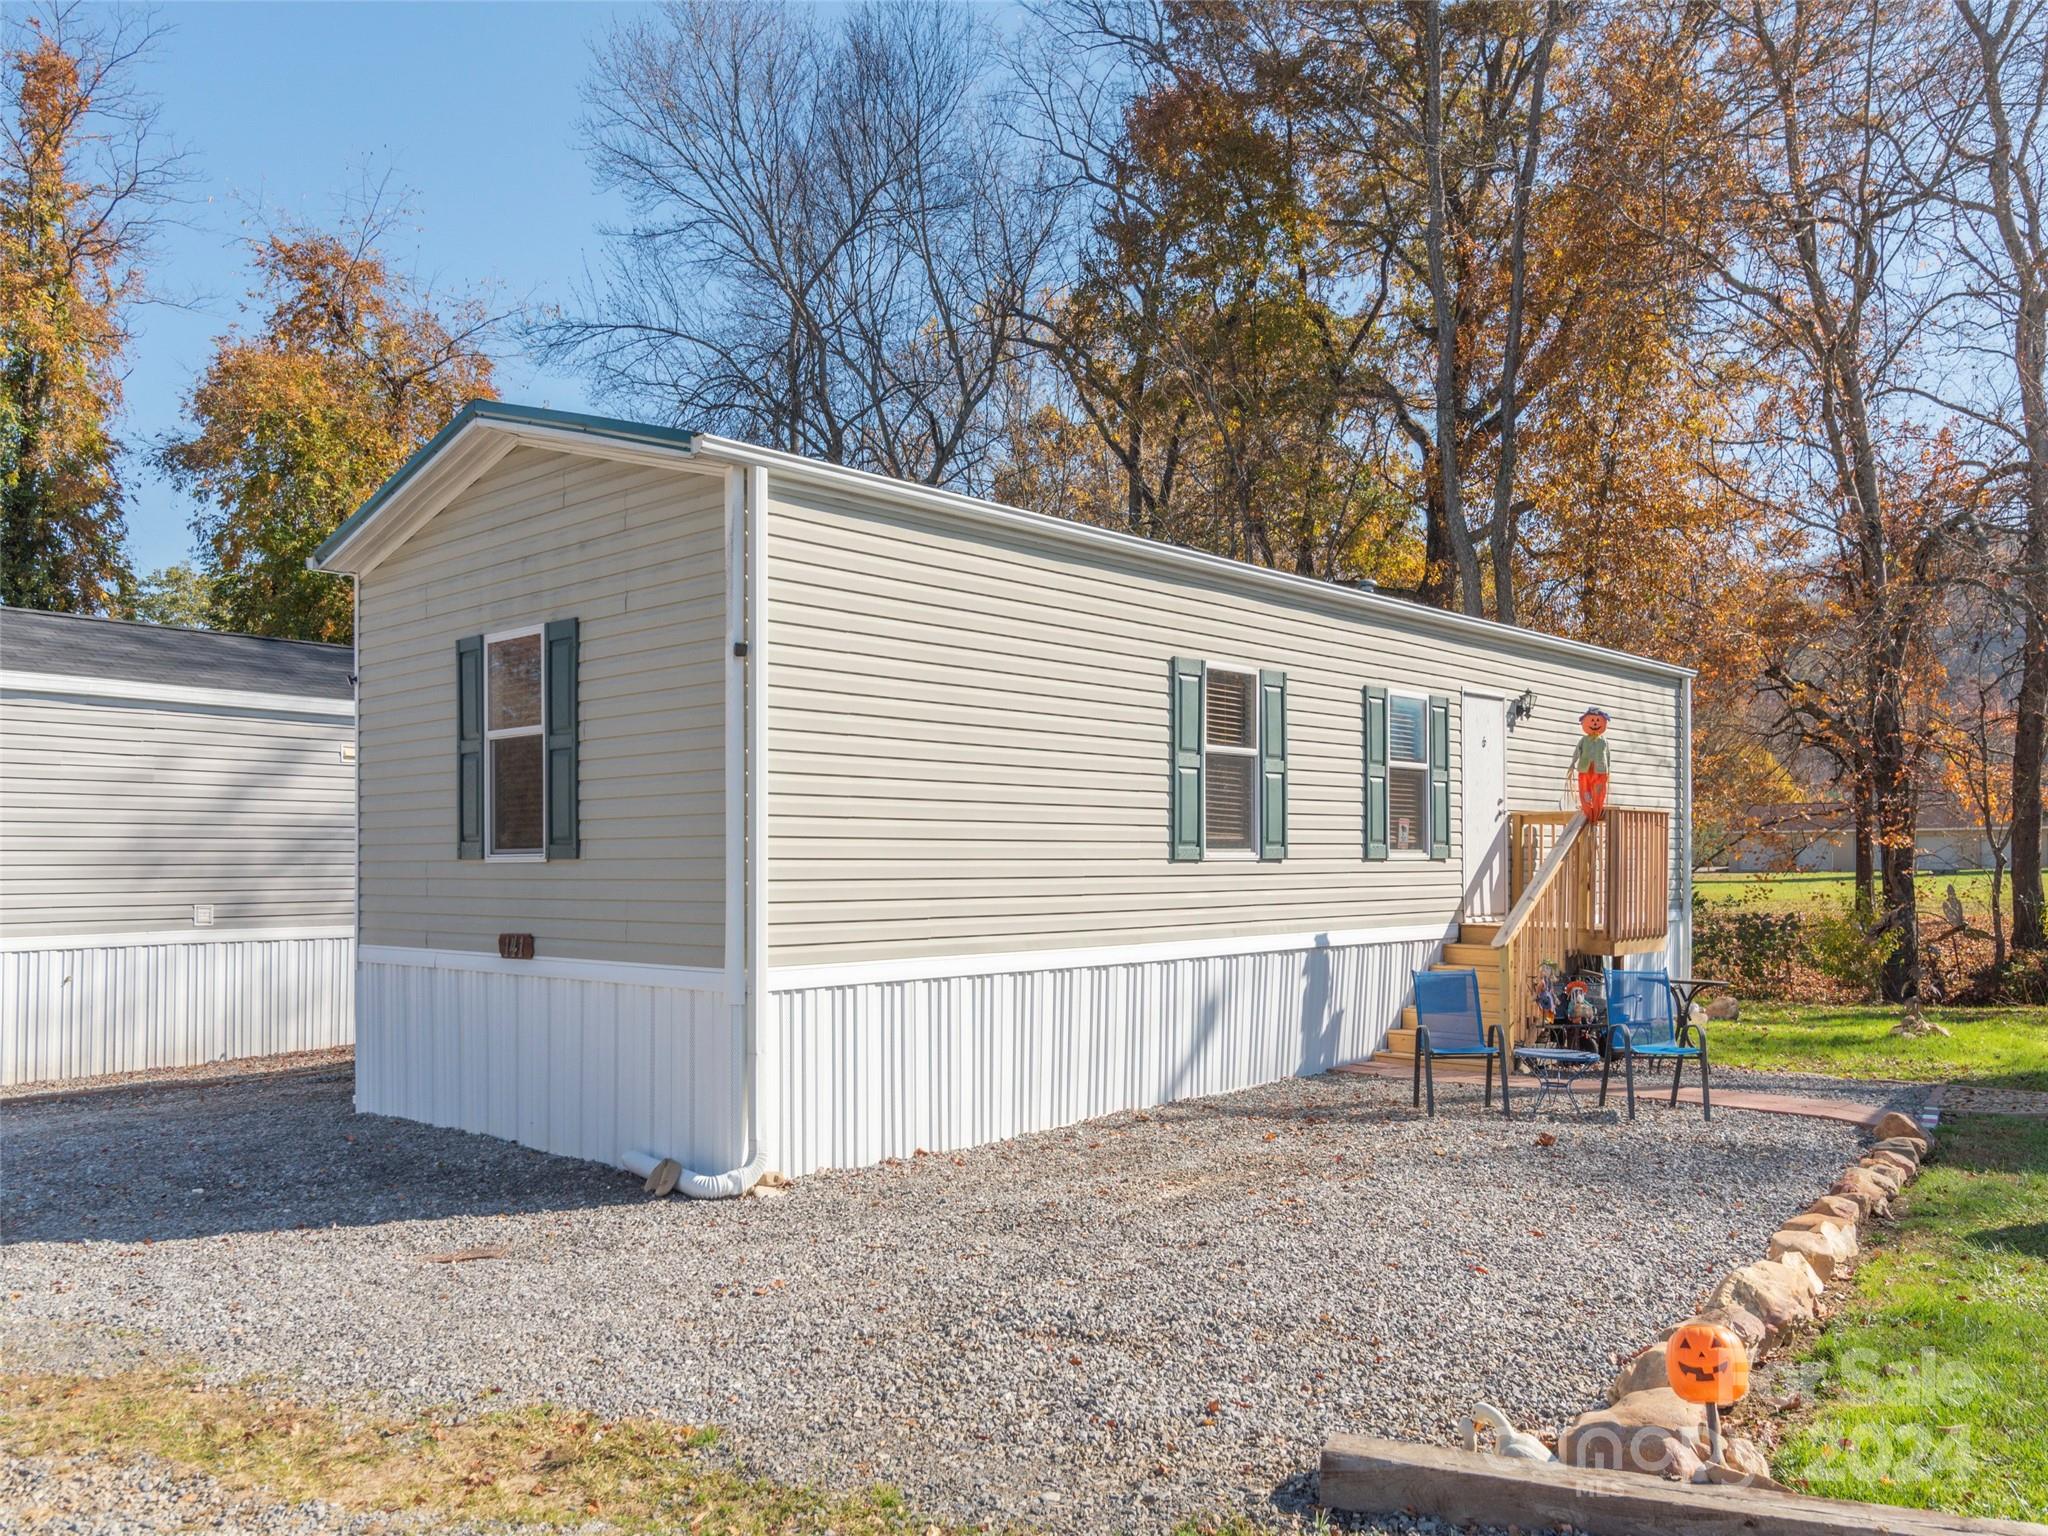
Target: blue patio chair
[1448,1024]
[1643,1021]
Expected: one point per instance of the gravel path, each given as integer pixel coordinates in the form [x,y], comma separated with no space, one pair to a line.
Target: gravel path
[1102,1328]
[334,1058]
[99,1496]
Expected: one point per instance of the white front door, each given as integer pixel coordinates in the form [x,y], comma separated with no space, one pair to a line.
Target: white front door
[1486,806]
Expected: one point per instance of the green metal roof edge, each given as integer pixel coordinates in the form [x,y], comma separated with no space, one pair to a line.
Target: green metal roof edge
[496,410]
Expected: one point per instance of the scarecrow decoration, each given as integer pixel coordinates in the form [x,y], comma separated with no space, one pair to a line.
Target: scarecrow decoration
[1589,762]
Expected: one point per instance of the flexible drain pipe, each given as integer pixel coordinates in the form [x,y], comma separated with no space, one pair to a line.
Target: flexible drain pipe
[702,1186]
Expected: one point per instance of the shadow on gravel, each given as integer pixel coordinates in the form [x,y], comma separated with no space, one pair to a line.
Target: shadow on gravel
[260,1154]
[1460,1104]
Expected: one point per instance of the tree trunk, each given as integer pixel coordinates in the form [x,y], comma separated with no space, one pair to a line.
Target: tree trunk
[1896,856]
[1866,863]
[2028,727]
[1502,535]
[1894,793]
[1998,949]
[1464,556]
[2015,213]
[1439,585]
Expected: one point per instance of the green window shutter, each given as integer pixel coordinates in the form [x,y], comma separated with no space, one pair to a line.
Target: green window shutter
[1375,773]
[1439,776]
[1189,681]
[558,733]
[1272,765]
[469,747]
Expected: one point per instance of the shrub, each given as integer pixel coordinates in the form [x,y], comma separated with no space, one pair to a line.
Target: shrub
[1843,949]
[1754,949]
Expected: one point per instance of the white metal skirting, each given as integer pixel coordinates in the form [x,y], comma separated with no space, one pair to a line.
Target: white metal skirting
[573,1065]
[114,1004]
[851,1074]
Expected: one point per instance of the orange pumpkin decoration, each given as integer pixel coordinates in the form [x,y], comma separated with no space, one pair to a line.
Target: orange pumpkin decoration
[1706,1363]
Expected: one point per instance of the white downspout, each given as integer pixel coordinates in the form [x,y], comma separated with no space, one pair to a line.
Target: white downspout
[1685,811]
[746,825]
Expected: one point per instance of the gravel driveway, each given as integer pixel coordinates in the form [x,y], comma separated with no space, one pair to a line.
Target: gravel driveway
[1101,1328]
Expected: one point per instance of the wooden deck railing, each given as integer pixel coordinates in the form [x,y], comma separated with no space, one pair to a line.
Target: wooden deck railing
[1579,888]
[1638,875]
[1546,892]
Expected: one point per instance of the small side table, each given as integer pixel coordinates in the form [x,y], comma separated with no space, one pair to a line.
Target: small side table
[1557,1072]
[1686,990]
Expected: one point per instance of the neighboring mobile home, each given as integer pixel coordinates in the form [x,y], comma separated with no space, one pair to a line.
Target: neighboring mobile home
[726,805]
[177,846]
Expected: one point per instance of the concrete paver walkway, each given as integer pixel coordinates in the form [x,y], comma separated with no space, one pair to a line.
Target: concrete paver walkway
[1847,1110]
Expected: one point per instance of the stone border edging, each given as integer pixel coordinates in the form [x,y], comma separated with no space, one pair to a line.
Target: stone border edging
[1362,1474]
[1645,1427]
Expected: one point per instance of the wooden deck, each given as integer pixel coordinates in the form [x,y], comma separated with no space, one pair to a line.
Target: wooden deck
[1575,889]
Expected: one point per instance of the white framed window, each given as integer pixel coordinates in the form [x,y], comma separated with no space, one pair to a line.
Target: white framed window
[515,759]
[1408,828]
[1230,762]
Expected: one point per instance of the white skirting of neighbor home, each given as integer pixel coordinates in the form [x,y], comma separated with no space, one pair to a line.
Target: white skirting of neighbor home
[579,1058]
[861,1063]
[84,1005]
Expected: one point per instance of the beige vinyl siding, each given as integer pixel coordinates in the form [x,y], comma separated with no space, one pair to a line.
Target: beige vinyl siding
[637,555]
[968,744]
[120,817]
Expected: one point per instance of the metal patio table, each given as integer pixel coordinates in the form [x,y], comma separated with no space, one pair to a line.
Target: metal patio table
[1557,1071]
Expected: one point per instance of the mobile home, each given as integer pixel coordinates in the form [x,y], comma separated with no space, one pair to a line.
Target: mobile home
[738,808]
[177,846]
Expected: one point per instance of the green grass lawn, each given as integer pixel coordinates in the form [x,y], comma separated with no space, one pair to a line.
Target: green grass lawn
[1829,893]
[1993,1047]
[1931,1384]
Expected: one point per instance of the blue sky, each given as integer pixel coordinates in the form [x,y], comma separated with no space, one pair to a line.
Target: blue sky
[472,108]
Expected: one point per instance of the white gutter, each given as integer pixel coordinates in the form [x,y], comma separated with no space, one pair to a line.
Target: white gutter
[1685,835]
[746,823]
[134,691]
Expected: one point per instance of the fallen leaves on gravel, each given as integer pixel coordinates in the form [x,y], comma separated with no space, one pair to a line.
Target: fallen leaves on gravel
[465,1255]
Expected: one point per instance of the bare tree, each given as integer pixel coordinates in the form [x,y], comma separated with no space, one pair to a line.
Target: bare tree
[1099,317]
[1999,136]
[830,249]
[1829,106]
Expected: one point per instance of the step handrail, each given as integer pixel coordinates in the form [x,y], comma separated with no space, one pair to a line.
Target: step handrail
[1546,872]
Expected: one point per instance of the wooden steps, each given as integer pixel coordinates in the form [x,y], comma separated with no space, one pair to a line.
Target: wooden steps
[1472,950]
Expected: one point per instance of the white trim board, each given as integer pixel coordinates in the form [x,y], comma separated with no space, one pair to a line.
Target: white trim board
[626,973]
[24,943]
[133,691]
[797,978]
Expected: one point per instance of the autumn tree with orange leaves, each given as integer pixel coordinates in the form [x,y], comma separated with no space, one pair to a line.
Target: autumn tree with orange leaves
[82,180]
[297,422]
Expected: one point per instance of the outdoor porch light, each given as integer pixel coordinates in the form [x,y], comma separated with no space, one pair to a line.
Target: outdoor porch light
[1523,707]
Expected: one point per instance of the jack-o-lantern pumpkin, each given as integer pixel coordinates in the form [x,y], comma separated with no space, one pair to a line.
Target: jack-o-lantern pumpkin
[1706,1363]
